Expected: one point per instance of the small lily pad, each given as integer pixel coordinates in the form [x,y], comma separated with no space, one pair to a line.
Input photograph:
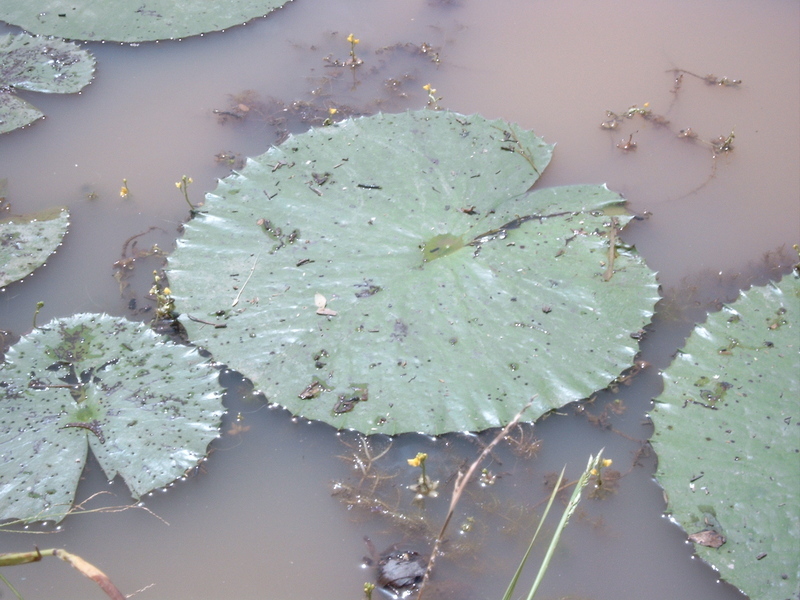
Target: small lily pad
[126,21]
[727,435]
[392,274]
[147,408]
[38,64]
[26,241]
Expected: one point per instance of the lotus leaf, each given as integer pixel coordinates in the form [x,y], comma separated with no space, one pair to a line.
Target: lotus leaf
[38,64]
[148,408]
[391,274]
[125,21]
[727,435]
[27,240]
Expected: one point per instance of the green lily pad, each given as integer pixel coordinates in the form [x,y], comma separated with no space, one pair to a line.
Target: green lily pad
[391,274]
[148,408]
[125,21]
[727,435]
[27,241]
[38,64]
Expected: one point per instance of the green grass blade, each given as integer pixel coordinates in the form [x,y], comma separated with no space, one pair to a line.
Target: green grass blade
[571,506]
[513,583]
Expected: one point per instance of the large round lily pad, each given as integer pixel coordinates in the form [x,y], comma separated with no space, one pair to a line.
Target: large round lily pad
[727,435]
[26,241]
[146,407]
[128,21]
[391,274]
[38,64]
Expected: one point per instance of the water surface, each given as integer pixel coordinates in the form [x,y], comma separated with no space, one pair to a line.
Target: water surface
[258,520]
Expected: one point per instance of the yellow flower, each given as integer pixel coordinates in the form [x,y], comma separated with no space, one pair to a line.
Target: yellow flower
[593,472]
[418,459]
[123,191]
[178,184]
[607,462]
[352,39]
[427,87]
[646,105]
[167,291]
[332,111]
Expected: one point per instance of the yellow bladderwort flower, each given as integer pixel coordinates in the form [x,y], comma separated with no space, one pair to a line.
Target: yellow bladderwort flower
[433,101]
[183,185]
[353,61]
[328,120]
[607,462]
[424,486]
[123,191]
[418,460]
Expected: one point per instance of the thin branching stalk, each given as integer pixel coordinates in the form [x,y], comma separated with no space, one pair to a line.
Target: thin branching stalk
[462,479]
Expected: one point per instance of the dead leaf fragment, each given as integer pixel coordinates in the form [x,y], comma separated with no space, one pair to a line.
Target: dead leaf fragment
[320,301]
[708,537]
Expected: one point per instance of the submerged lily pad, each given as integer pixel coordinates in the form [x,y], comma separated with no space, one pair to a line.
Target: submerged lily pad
[148,408]
[26,241]
[38,64]
[126,21]
[727,435]
[390,274]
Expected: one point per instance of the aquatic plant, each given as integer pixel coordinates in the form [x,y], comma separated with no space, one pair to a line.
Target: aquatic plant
[726,435]
[450,295]
[38,64]
[592,468]
[123,21]
[26,241]
[147,408]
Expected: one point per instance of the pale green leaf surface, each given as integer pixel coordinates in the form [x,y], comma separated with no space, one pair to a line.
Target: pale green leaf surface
[727,435]
[460,342]
[27,241]
[127,21]
[38,64]
[16,112]
[151,408]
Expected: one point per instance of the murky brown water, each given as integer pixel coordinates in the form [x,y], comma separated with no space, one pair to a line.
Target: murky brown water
[258,520]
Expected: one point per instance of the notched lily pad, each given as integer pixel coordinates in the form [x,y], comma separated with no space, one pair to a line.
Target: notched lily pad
[38,64]
[416,269]
[26,241]
[727,435]
[126,21]
[146,407]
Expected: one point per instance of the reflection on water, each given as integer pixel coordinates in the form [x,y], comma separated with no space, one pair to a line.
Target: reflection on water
[257,519]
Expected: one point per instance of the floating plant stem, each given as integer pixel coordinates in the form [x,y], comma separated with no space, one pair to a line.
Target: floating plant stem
[39,306]
[183,185]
